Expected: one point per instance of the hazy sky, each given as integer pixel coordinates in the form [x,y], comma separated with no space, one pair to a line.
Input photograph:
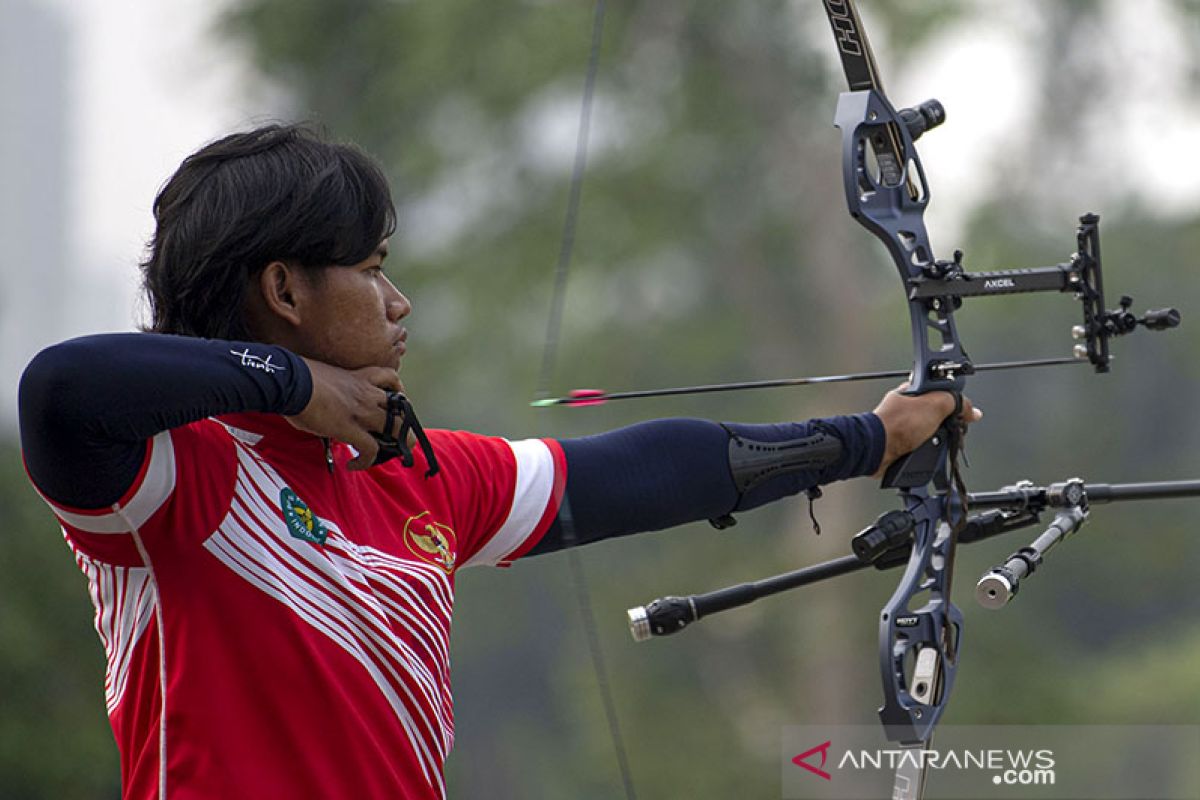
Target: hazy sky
[150,85]
[147,83]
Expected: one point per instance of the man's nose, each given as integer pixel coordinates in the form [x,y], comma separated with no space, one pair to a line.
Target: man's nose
[398,305]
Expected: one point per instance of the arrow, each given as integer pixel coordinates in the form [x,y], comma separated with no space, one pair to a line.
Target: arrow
[596,397]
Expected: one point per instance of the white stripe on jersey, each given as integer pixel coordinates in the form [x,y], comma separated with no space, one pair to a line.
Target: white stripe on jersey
[157,485]
[362,596]
[125,599]
[352,593]
[358,597]
[531,495]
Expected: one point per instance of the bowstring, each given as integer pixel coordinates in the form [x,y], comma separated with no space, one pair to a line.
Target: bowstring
[546,376]
[562,267]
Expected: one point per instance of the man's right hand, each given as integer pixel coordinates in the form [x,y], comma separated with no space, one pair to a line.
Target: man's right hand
[349,406]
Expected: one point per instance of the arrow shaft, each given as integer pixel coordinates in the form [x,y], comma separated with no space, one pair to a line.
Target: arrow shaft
[597,398]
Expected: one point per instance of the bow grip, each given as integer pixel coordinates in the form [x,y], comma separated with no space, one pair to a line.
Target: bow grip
[928,462]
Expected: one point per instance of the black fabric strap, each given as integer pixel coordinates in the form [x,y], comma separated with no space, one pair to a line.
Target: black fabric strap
[391,446]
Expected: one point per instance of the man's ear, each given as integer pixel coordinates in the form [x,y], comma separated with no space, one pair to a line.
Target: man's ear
[282,292]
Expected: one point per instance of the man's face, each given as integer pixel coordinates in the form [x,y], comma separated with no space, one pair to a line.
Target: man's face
[355,322]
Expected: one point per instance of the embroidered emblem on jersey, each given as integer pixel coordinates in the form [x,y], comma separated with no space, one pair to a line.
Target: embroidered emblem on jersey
[301,521]
[430,541]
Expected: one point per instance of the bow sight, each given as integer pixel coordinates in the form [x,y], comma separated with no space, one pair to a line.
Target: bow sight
[946,281]
[941,286]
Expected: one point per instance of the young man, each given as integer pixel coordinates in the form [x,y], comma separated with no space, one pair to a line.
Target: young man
[274,604]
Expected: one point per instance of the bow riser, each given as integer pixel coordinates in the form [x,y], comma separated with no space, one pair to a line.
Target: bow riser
[918,646]
[893,210]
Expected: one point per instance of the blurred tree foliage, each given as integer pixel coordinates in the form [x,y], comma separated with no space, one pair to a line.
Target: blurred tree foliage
[54,736]
[712,244]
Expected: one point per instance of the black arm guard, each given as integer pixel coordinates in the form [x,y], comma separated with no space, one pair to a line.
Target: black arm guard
[752,462]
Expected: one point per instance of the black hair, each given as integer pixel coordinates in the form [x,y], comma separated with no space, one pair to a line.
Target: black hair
[276,193]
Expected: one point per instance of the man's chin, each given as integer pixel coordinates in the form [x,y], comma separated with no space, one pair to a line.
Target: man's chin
[396,355]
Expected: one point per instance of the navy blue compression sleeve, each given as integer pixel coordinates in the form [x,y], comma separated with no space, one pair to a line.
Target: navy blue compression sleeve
[88,405]
[659,474]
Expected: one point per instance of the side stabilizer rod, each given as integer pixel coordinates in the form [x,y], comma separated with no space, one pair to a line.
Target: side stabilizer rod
[886,544]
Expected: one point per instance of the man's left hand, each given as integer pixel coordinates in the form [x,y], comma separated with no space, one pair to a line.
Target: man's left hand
[909,420]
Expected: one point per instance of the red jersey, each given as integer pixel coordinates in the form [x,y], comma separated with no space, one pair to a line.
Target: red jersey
[276,625]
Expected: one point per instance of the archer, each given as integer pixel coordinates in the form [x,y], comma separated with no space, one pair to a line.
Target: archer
[273,588]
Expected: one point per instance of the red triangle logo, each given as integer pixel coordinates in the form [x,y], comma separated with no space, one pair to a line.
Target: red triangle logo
[823,749]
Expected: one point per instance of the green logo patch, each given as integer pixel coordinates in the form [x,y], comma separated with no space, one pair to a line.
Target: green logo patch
[301,521]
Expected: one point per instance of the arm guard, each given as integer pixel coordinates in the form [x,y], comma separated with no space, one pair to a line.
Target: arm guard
[751,461]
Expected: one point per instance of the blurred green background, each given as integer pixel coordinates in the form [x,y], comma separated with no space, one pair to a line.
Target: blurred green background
[713,244]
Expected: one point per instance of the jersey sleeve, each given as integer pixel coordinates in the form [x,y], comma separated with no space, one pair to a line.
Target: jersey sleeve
[199,456]
[505,493]
[88,405]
